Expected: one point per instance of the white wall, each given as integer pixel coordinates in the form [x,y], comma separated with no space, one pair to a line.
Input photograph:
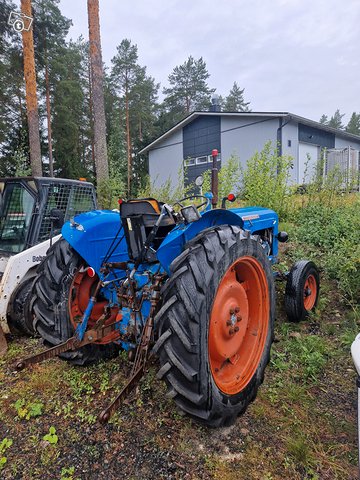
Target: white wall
[345,142]
[308,158]
[244,142]
[164,162]
[290,132]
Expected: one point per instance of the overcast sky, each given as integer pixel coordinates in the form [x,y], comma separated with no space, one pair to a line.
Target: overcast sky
[300,56]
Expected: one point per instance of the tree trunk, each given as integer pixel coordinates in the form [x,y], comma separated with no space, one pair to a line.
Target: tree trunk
[91,121]
[31,99]
[48,114]
[101,159]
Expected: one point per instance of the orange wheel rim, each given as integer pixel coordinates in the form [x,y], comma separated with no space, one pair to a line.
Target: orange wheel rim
[81,291]
[239,324]
[310,292]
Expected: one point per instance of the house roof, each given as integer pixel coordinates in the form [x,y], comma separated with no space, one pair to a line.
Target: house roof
[288,115]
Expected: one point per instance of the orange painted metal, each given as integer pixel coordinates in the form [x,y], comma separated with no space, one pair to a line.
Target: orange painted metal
[310,292]
[239,324]
[81,290]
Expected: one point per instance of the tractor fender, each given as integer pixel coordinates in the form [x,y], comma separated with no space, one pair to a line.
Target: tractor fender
[176,240]
[94,234]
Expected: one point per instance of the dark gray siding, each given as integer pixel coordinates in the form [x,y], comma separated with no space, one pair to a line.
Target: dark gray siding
[201,136]
[316,136]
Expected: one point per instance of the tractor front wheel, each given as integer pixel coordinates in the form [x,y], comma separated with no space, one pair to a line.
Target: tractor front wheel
[216,325]
[60,296]
[302,290]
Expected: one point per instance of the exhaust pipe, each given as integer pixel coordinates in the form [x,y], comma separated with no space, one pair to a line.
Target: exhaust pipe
[214,179]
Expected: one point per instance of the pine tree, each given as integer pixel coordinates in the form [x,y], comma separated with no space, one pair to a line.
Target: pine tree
[324,119]
[125,72]
[188,90]
[68,112]
[235,102]
[14,140]
[50,30]
[143,110]
[354,124]
[336,120]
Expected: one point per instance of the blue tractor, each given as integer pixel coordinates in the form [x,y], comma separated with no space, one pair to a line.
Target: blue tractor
[190,282]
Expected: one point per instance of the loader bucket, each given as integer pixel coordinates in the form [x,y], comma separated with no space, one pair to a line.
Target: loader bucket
[3,343]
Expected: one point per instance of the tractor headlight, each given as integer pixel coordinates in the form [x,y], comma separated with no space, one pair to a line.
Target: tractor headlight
[190,214]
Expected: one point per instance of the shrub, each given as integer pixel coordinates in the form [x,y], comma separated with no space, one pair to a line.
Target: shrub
[229,178]
[166,192]
[266,180]
[333,229]
[109,191]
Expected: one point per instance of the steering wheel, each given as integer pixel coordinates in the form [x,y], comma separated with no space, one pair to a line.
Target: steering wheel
[201,207]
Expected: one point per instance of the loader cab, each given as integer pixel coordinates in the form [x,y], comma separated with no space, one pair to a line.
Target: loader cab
[26,206]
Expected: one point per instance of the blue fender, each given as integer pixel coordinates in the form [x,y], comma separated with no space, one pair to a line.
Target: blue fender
[175,241]
[92,235]
[250,218]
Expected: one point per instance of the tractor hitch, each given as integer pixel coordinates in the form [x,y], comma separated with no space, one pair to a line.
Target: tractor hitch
[72,343]
[141,356]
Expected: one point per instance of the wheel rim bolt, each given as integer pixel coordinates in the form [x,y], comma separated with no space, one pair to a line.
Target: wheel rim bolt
[236,329]
[231,331]
[237,309]
[238,318]
[228,323]
[232,311]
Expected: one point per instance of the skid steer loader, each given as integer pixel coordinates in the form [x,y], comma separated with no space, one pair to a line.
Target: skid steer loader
[32,212]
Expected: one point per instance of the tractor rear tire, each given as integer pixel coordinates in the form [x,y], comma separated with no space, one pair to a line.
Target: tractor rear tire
[215,327]
[50,304]
[302,290]
[20,317]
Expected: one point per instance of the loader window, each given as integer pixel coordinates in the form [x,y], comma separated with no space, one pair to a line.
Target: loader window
[15,217]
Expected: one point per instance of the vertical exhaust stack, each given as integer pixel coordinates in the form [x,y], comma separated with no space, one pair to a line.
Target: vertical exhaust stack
[214,179]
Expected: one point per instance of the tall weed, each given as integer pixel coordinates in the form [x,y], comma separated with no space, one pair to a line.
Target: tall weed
[166,192]
[266,180]
[229,178]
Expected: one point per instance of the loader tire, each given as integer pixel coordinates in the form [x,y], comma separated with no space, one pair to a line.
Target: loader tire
[215,326]
[19,313]
[50,304]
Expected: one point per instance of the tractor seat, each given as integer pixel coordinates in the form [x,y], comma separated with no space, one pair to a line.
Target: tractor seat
[138,217]
[146,208]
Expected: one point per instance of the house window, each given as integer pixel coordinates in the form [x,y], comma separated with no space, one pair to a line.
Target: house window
[189,162]
[289,143]
[201,160]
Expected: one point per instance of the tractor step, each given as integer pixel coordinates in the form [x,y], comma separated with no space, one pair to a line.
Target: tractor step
[72,343]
